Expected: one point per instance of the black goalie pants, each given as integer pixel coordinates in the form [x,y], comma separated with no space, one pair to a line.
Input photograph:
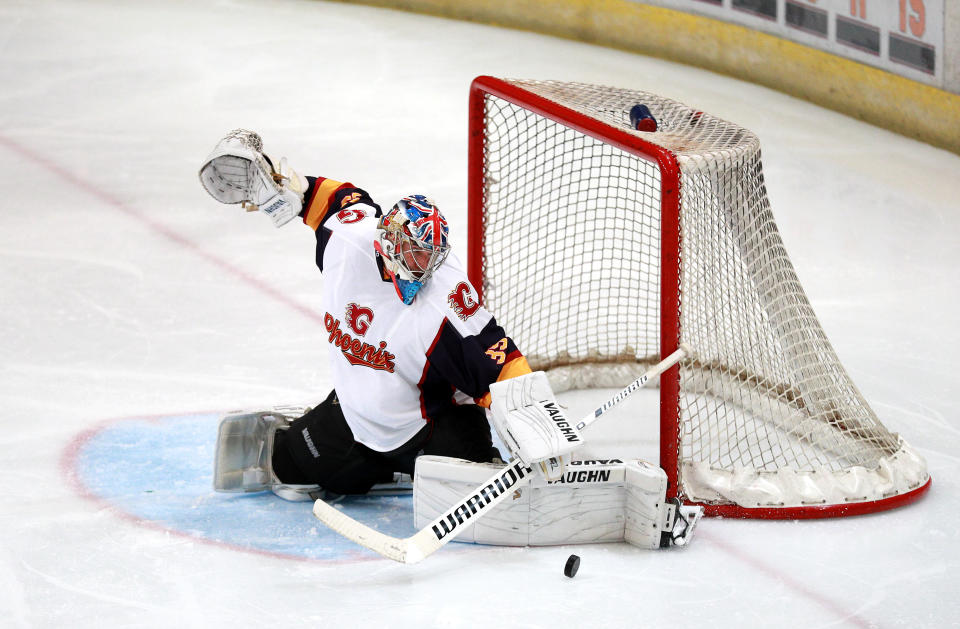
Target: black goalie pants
[319,448]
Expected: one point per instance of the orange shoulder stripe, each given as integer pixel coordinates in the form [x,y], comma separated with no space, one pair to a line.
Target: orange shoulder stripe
[321,201]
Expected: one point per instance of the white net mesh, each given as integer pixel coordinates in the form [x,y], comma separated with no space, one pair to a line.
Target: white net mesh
[767,416]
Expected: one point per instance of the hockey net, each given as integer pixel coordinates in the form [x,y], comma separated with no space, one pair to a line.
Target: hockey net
[601,248]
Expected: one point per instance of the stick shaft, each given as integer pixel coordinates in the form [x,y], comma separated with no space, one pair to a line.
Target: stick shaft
[624,393]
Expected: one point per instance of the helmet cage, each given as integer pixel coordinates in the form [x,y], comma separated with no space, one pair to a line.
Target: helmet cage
[413,242]
[417,261]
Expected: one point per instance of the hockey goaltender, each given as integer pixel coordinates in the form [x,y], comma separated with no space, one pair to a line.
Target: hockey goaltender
[413,355]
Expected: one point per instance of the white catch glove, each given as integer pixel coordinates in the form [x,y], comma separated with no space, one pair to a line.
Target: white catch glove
[531,424]
[237,171]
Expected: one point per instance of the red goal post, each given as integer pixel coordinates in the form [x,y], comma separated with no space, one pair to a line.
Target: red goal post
[601,248]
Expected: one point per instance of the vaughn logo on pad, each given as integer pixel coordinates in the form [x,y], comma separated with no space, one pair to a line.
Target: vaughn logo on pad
[563,426]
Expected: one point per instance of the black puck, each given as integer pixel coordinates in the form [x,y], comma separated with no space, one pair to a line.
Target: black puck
[573,564]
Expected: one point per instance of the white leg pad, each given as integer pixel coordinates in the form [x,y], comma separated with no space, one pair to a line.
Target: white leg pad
[652,520]
[647,512]
[593,502]
[242,459]
[586,505]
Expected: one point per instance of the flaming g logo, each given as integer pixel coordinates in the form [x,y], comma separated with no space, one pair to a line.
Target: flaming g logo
[462,301]
[359,318]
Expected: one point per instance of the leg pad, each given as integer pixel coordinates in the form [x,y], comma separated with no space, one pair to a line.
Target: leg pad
[242,462]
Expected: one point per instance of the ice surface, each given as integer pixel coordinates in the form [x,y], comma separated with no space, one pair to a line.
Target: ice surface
[135,309]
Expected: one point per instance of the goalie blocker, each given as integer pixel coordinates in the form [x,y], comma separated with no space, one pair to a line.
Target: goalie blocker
[592,502]
[526,415]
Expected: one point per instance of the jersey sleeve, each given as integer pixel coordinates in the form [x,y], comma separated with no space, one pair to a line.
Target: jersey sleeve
[472,362]
[326,198]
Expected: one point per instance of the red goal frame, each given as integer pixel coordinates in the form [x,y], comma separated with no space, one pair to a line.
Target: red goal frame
[670,283]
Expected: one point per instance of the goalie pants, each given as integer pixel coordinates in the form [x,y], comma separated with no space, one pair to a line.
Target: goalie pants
[319,448]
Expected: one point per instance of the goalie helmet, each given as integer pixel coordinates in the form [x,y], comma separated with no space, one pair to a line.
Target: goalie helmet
[412,241]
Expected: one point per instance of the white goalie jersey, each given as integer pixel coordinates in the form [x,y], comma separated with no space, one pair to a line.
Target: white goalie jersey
[396,366]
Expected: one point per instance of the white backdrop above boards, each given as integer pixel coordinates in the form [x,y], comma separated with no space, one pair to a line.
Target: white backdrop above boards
[906,37]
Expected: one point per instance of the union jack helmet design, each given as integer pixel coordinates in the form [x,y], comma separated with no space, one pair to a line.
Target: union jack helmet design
[412,240]
[427,225]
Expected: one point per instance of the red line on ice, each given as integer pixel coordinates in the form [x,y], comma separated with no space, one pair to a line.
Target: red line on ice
[797,586]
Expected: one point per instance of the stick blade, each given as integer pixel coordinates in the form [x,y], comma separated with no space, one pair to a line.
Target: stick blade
[389,547]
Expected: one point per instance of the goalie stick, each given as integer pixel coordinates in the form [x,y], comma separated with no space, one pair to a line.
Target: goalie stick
[475,505]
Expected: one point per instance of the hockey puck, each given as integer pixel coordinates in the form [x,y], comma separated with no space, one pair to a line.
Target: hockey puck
[573,564]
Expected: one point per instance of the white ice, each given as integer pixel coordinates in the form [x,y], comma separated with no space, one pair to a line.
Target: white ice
[127,292]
